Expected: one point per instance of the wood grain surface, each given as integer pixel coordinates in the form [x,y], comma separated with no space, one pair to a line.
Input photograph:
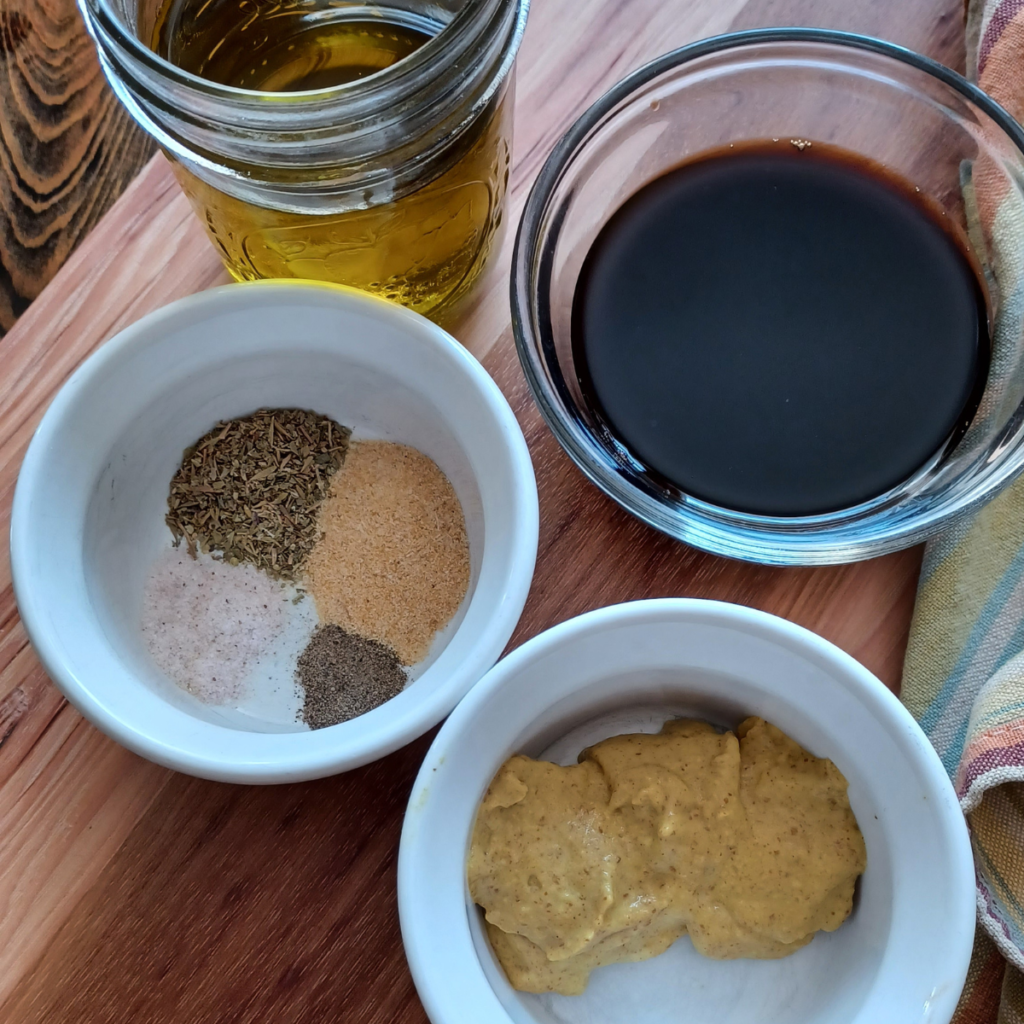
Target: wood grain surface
[130,893]
[67,148]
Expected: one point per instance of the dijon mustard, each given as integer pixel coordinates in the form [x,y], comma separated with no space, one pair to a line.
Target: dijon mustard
[743,841]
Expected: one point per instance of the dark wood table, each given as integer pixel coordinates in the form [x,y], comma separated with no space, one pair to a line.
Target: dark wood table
[129,893]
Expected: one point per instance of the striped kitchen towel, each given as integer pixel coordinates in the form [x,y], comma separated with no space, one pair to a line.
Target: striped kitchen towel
[963,679]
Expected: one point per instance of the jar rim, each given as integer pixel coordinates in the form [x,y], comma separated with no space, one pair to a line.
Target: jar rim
[350,144]
[405,72]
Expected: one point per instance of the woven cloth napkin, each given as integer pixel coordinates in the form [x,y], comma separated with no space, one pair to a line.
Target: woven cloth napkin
[963,679]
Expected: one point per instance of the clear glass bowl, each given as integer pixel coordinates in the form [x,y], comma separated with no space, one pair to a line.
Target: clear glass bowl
[912,115]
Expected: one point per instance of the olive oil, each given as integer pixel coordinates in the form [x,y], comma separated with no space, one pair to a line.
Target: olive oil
[425,247]
[270,46]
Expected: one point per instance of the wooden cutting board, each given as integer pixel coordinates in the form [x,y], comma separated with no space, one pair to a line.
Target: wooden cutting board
[131,893]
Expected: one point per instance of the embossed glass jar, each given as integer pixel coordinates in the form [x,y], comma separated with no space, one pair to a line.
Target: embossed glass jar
[394,183]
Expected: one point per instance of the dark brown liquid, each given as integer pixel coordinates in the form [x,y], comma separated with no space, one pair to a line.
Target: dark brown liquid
[779,331]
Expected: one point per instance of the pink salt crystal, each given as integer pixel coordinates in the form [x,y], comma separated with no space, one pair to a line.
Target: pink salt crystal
[206,623]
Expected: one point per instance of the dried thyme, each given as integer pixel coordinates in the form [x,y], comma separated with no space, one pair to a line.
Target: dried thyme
[249,489]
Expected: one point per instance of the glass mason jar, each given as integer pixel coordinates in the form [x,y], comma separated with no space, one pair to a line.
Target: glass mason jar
[393,183]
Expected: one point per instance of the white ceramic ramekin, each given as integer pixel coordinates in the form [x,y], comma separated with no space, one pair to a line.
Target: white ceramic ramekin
[88,511]
[902,956]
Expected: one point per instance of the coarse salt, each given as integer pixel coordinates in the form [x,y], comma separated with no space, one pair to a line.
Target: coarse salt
[207,623]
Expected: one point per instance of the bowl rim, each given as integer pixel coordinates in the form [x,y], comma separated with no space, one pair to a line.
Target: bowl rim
[418,933]
[767,546]
[274,757]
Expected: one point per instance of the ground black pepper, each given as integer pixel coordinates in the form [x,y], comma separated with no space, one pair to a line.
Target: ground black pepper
[345,675]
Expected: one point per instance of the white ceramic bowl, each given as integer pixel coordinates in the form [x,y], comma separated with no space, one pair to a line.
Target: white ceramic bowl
[89,507]
[902,956]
